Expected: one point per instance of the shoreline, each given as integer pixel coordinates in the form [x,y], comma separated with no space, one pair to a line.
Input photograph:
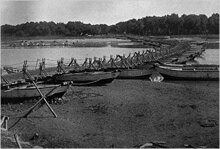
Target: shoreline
[7,42]
[125,113]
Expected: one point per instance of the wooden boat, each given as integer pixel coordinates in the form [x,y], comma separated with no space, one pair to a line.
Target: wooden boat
[11,70]
[141,72]
[87,78]
[189,72]
[134,73]
[21,92]
[191,66]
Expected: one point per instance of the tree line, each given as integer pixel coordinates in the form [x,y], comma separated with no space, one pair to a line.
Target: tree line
[147,26]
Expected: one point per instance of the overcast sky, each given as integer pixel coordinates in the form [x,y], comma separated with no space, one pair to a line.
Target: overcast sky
[99,11]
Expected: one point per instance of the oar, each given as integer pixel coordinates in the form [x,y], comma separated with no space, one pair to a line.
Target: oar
[41,94]
[4,79]
[39,101]
[29,75]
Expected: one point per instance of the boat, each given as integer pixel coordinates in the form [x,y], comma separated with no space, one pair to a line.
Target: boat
[87,78]
[189,72]
[190,66]
[140,72]
[10,70]
[134,73]
[20,92]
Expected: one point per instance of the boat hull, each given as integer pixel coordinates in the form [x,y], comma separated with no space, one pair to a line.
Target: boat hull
[25,92]
[87,78]
[134,74]
[95,83]
[188,74]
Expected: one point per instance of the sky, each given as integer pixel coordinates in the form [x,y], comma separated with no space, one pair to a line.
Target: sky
[99,11]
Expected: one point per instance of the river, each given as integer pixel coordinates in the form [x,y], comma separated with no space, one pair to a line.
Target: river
[15,57]
[210,56]
[12,56]
[18,55]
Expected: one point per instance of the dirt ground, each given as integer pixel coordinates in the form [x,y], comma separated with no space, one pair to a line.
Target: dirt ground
[125,113]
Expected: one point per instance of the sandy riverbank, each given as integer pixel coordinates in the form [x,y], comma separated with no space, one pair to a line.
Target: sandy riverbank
[125,113]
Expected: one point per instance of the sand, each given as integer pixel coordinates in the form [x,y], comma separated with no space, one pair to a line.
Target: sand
[125,113]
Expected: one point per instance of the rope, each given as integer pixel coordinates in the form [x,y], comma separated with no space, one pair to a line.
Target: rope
[50,59]
[33,61]
[51,64]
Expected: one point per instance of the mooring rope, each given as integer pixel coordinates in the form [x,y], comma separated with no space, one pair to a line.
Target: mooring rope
[50,59]
[13,64]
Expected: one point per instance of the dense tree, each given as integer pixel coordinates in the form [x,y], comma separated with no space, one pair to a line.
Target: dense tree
[213,23]
[165,25]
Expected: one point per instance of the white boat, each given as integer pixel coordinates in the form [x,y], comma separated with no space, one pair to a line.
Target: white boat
[198,72]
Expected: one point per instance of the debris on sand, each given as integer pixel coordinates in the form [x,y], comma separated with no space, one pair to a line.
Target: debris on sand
[208,123]
[154,144]
[192,106]
[99,108]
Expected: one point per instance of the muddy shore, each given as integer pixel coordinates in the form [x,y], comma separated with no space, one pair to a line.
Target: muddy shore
[125,113]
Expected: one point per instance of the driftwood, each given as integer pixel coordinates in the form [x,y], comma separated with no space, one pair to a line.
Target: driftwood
[17,141]
[4,123]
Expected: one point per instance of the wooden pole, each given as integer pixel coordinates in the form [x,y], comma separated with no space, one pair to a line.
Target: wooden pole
[38,102]
[101,64]
[42,96]
[62,60]
[85,63]
[28,74]
[76,64]
[37,63]
[111,57]
[71,62]
[60,67]
[91,64]
[43,66]
[4,79]
[17,141]
[104,60]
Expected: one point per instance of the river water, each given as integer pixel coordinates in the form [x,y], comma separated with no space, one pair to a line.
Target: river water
[13,56]
[210,56]
[18,55]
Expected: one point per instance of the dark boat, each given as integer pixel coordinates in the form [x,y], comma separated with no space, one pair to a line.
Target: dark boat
[20,92]
[130,73]
[87,78]
[134,73]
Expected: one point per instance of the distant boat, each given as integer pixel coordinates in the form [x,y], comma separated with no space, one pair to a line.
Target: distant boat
[189,72]
[11,70]
[87,78]
[21,92]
